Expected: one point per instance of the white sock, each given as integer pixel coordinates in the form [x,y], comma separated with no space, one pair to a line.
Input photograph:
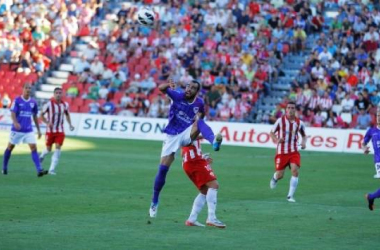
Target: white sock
[44,153]
[55,159]
[293,186]
[211,199]
[198,204]
[275,176]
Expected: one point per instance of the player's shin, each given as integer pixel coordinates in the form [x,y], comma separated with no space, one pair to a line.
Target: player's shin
[198,204]
[55,160]
[36,160]
[211,199]
[6,157]
[43,154]
[159,182]
[206,131]
[293,186]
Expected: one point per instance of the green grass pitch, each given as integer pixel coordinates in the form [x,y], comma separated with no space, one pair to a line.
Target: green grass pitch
[101,195]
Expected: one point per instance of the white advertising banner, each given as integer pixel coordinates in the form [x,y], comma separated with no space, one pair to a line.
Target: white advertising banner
[236,134]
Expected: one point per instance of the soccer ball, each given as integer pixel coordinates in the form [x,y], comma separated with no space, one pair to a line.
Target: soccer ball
[145,16]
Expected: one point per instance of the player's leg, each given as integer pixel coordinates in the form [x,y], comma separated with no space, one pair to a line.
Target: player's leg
[211,198]
[200,126]
[159,182]
[371,199]
[49,138]
[59,139]
[6,157]
[281,162]
[293,182]
[198,204]
[36,160]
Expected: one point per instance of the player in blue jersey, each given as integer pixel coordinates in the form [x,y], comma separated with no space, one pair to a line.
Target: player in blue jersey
[374,135]
[185,123]
[23,109]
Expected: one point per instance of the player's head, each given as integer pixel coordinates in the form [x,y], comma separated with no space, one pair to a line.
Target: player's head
[26,90]
[291,109]
[192,89]
[58,94]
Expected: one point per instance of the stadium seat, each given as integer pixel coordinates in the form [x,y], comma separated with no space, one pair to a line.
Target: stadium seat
[346,117]
[78,101]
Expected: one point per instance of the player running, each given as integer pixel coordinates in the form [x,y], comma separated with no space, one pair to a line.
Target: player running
[23,109]
[374,135]
[197,166]
[55,109]
[285,135]
[184,126]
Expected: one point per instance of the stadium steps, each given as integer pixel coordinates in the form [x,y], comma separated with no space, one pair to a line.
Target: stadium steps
[55,81]
[60,74]
[48,87]
[44,94]
[66,67]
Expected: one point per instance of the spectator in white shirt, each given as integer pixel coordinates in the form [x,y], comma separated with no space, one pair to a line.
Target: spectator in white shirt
[81,65]
[347,104]
[97,67]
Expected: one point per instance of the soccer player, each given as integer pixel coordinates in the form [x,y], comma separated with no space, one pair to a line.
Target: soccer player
[374,135]
[23,109]
[285,135]
[184,126]
[55,109]
[197,166]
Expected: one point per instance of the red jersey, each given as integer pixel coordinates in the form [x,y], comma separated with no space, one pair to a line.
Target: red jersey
[192,152]
[289,131]
[55,114]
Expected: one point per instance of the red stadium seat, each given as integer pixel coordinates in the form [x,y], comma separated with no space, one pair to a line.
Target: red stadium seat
[72,78]
[74,109]
[78,101]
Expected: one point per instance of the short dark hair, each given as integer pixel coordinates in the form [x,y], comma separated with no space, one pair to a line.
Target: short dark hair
[290,103]
[198,83]
[57,88]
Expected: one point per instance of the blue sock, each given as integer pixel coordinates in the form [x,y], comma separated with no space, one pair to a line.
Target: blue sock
[374,195]
[6,157]
[159,182]
[206,131]
[36,161]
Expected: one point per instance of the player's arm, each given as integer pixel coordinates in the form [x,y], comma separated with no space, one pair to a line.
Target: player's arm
[168,88]
[15,122]
[303,135]
[68,117]
[366,140]
[273,132]
[45,109]
[35,119]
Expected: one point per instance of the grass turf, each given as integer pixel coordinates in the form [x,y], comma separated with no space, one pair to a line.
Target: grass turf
[101,195]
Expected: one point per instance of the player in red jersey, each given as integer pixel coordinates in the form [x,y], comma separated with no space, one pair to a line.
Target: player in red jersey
[197,166]
[285,135]
[55,109]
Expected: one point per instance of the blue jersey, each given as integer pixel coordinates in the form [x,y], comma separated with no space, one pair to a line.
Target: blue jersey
[24,110]
[182,114]
[374,135]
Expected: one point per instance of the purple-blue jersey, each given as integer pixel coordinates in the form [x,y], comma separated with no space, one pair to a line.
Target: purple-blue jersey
[182,114]
[24,110]
[374,135]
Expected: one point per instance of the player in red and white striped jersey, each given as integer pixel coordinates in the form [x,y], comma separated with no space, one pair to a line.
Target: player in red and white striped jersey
[197,166]
[53,113]
[285,135]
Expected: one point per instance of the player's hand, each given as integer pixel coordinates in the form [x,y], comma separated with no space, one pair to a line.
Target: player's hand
[303,145]
[366,150]
[39,135]
[281,140]
[208,158]
[50,124]
[171,83]
[72,128]
[17,126]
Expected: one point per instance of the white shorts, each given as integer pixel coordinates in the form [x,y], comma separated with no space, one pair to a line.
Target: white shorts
[173,142]
[19,137]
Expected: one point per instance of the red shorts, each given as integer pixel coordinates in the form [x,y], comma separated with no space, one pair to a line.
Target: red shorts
[199,172]
[52,138]
[281,161]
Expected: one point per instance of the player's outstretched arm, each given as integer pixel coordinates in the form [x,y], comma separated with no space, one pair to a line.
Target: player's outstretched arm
[165,86]
[365,148]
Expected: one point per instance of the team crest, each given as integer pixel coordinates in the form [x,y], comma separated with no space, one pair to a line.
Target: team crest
[32,105]
[196,109]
